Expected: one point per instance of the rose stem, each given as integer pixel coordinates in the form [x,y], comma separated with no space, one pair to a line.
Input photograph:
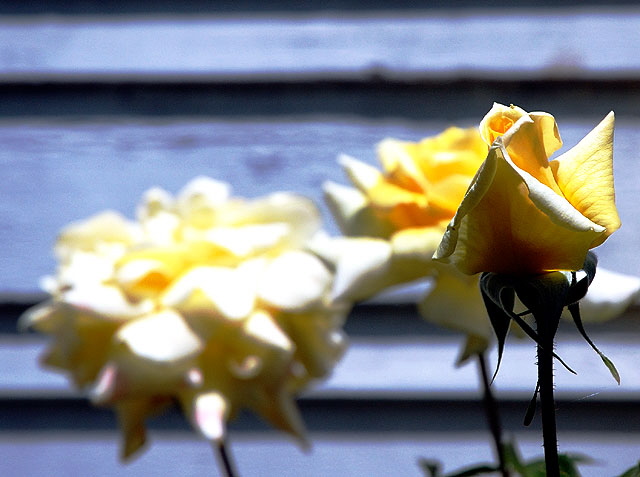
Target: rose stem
[225,459]
[491,410]
[547,402]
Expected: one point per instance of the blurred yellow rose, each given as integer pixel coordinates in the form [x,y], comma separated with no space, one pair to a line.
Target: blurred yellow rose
[208,300]
[524,214]
[395,219]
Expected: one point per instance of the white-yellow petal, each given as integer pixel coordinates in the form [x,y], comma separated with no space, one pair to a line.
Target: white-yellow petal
[209,414]
[261,327]
[345,202]
[363,175]
[161,337]
[609,295]
[248,240]
[227,291]
[294,281]
[362,268]
[106,301]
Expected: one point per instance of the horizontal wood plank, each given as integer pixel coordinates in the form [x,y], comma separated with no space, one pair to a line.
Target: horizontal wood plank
[369,98]
[176,7]
[95,454]
[57,172]
[572,43]
[390,368]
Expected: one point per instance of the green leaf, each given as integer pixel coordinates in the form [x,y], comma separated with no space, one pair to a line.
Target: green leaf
[574,309]
[632,472]
[512,458]
[477,470]
[568,467]
[567,464]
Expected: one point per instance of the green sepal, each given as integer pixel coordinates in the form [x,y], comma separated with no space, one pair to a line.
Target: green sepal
[545,296]
[574,309]
[499,298]
[498,292]
[580,287]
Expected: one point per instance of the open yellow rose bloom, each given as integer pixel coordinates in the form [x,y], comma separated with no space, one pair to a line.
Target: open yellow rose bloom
[395,218]
[524,214]
[206,300]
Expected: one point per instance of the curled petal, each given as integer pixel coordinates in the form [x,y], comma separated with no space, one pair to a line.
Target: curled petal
[510,223]
[530,142]
[498,121]
[585,175]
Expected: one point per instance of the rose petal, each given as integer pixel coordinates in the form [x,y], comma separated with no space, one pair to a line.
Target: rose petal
[401,166]
[260,326]
[209,413]
[362,175]
[228,291]
[294,281]
[585,175]
[352,211]
[609,295]
[510,223]
[299,213]
[362,268]
[455,303]
[162,337]
[529,144]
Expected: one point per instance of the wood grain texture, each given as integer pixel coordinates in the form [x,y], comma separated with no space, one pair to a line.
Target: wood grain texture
[460,43]
[94,453]
[57,172]
[390,368]
[234,94]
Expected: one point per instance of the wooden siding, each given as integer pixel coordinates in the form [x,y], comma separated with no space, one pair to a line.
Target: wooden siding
[98,104]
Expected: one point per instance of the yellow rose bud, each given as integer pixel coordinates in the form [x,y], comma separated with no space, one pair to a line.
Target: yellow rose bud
[207,300]
[524,214]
